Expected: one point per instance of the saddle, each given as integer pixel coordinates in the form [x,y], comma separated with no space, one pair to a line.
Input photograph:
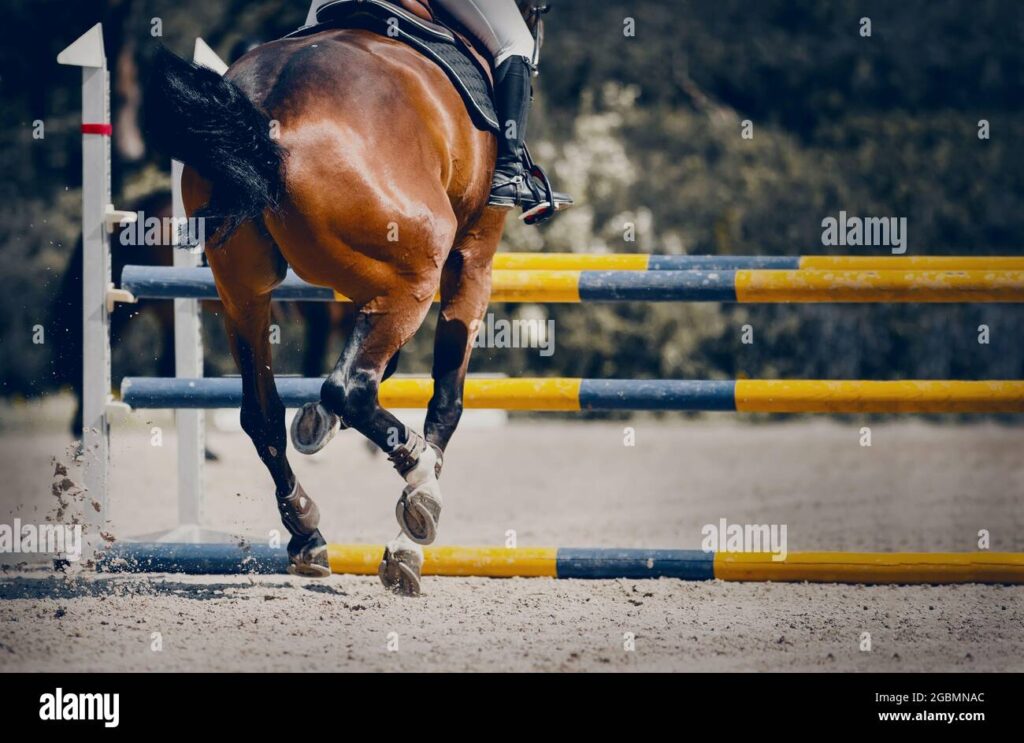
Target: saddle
[414,23]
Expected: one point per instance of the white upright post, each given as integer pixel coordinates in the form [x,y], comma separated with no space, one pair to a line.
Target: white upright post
[188,362]
[205,56]
[88,53]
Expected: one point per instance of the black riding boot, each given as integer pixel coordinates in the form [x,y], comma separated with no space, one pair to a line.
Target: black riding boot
[513,185]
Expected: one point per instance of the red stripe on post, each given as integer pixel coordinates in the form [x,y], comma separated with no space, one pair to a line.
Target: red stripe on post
[104,129]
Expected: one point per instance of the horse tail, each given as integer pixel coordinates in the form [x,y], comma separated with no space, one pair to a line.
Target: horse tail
[194,115]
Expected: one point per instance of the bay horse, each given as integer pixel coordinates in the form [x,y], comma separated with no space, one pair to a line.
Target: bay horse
[350,157]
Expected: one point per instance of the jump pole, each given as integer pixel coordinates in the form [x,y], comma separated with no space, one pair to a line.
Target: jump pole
[644,262]
[575,395]
[756,286]
[871,568]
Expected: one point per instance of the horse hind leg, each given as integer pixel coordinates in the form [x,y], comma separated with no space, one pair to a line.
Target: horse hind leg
[247,267]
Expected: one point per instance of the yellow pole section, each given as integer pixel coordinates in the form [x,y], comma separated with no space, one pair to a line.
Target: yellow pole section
[911,263]
[546,394]
[490,562]
[573,262]
[879,286]
[873,567]
[354,559]
[853,396]
[526,286]
[535,286]
[493,562]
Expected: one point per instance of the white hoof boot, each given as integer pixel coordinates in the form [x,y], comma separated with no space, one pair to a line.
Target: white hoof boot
[419,509]
[312,428]
[401,567]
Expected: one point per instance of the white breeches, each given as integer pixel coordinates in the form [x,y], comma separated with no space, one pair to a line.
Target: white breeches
[498,25]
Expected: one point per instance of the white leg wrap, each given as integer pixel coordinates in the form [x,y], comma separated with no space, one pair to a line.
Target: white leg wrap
[419,509]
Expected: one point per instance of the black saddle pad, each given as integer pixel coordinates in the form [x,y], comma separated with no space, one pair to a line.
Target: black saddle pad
[435,42]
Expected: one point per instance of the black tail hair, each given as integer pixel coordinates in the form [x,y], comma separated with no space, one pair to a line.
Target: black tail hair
[194,115]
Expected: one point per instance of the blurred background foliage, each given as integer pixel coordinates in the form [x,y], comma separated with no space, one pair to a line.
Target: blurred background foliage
[645,131]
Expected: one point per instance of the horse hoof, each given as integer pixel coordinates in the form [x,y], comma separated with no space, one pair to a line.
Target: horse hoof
[308,556]
[312,427]
[401,567]
[418,512]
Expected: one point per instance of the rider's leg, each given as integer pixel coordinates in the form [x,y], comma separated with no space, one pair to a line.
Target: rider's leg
[512,99]
[513,185]
[500,27]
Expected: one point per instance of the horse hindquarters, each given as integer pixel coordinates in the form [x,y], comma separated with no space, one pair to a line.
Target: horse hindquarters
[369,201]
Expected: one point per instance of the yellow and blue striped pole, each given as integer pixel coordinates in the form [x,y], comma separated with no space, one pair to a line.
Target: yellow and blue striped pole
[744,286]
[572,395]
[588,563]
[642,262]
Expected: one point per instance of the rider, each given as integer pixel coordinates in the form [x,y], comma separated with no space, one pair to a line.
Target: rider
[499,26]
